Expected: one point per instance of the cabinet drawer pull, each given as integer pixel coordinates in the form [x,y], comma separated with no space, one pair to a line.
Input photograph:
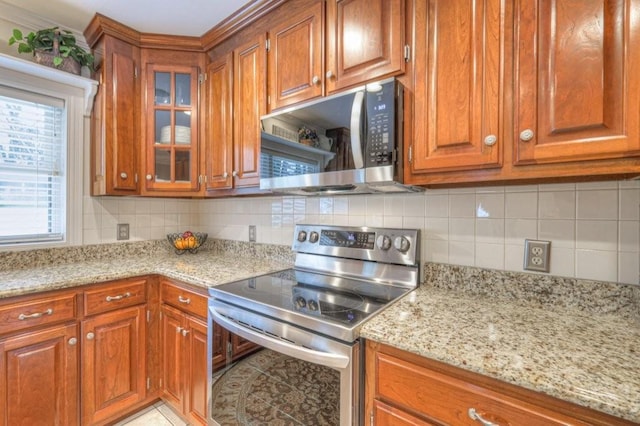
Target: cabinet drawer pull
[184,300]
[473,415]
[118,297]
[23,317]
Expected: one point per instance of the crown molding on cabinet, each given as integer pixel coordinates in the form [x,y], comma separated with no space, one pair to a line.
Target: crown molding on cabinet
[239,20]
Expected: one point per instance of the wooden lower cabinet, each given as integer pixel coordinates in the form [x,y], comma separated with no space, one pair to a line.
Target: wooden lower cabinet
[184,350]
[406,389]
[39,377]
[113,363]
[229,347]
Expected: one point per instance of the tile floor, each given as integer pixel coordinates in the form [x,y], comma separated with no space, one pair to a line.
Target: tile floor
[157,414]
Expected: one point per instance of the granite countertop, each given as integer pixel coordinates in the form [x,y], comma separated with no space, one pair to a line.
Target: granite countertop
[207,268]
[576,340]
[590,360]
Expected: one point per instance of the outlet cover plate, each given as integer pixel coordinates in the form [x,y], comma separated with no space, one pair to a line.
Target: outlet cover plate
[252,233]
[536,255]
[123,231]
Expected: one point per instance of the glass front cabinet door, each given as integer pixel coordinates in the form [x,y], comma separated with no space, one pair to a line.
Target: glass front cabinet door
[172,131]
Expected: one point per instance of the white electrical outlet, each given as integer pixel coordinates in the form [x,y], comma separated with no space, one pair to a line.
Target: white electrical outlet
[536,255]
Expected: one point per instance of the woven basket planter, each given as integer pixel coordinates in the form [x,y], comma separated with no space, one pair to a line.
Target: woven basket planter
[45,57]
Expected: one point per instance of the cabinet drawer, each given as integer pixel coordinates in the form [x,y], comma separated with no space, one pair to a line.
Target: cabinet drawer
[184,299]
[38,311]
[448,400]
[116,295]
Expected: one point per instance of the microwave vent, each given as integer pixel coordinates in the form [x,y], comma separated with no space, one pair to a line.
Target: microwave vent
[284,133]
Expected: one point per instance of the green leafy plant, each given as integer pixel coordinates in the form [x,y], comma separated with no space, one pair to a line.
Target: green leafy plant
[44,40]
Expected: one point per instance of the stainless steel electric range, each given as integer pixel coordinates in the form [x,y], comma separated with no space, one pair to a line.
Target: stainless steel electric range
[313,314]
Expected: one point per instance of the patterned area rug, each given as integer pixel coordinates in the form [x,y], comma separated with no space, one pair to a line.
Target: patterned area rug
[272,389]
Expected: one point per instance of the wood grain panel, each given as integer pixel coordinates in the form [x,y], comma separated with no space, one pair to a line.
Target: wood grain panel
[578,80]
[459,54]
[249,104]
[39,378]
[197,395]
[113,365]
[37,311]
[365,41]
[172,356]
[218,139]
[295,58]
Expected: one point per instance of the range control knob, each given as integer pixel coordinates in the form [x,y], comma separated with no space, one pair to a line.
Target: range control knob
[300,302]
[302,236]
[401,244]
[313,305]
[384,242]
[313,237]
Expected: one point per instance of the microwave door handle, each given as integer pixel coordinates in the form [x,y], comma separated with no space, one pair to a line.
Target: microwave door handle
[356,116]
[310,355]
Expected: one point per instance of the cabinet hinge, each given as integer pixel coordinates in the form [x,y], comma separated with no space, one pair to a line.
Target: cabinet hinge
[148,383]
[229,349]
[268,99]
[407,53]
[410,153]
[135,72]
[268,45]
[202,78]
[135,177]
[148,315]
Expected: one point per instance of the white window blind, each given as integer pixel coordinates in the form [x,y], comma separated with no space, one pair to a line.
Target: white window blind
[32,167]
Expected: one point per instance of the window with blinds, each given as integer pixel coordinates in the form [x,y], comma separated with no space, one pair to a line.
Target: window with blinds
[32,167]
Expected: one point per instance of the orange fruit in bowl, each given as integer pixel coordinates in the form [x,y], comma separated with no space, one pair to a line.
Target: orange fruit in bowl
[191,241]
[179,243]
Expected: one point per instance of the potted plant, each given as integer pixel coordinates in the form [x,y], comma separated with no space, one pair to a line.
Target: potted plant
[54,47]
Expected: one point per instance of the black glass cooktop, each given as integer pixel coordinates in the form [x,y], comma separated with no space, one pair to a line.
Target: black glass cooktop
[315,296]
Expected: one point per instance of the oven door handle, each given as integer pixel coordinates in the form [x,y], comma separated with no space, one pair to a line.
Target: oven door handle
[317,357]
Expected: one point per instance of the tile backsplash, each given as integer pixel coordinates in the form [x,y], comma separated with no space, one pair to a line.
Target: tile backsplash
[594,228]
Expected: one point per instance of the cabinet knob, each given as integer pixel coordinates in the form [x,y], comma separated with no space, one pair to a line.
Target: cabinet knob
[234,173]
[90,336]
[526,135]
[315,79]
[149,177]
[178,329]
[490,140]
[329,74]
[72,341]
[123,175]
[185,332]
[225,175]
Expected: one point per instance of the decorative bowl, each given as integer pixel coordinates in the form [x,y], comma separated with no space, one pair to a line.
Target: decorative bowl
[187,241]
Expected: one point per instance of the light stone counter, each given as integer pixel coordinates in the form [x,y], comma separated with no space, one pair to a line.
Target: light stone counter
[49,270]
[591,359]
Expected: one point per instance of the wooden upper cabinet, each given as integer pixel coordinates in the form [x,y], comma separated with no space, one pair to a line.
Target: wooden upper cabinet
[364,41]
[171,145]
[295,58]
[458,68]
[249,98]
[218,137]
[577,80]
[115,133]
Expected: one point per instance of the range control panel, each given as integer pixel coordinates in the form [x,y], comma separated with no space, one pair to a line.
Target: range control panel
[388,245]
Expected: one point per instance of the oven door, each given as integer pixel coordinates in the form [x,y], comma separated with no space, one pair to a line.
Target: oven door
[288,375]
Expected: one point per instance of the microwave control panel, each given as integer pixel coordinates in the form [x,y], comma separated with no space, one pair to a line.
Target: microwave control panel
[381,125]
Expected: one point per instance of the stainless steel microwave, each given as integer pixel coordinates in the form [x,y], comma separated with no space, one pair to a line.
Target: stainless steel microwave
[347,143]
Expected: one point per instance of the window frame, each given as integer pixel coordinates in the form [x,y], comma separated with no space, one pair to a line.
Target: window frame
[77,94]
